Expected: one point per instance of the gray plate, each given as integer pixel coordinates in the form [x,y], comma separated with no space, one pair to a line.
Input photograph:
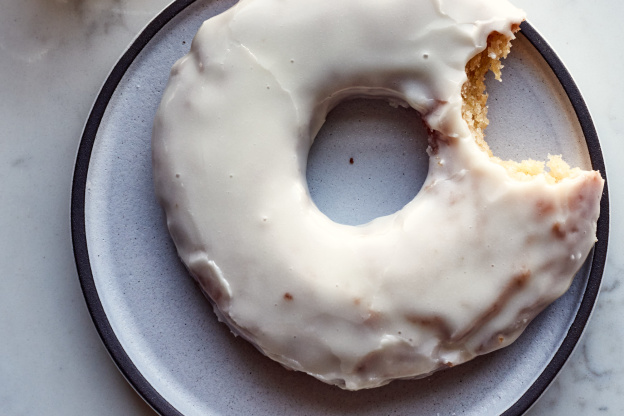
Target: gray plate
[162,332]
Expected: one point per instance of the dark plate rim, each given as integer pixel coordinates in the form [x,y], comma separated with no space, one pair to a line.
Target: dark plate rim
[81,252]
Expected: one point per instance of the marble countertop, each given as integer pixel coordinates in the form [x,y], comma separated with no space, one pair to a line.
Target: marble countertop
[54,57]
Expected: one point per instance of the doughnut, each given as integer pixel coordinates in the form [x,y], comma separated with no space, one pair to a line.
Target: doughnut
[459,271]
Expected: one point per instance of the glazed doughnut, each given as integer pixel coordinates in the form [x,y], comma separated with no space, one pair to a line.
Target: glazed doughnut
[459,271]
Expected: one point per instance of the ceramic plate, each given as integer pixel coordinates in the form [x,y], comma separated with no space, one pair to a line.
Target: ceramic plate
[161,331]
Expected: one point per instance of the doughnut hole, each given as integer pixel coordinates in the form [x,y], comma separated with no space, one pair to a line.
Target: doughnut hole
[368,160]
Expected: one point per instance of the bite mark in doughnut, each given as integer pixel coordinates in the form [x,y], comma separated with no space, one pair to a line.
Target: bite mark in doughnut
[459,271]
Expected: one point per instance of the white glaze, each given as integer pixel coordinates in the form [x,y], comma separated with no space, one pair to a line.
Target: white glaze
[459,271]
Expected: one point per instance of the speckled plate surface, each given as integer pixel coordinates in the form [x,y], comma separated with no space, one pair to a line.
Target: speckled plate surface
[368,160]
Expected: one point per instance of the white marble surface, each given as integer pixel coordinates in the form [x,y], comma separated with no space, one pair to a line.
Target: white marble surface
[54,56]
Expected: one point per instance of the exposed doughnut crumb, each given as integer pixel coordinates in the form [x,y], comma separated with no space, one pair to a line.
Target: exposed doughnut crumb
[474,113]
[474,108]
